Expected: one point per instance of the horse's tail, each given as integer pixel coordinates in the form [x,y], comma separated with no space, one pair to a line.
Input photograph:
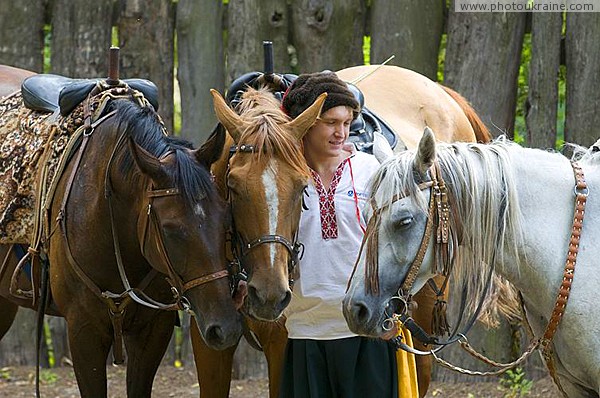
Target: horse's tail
[482,134]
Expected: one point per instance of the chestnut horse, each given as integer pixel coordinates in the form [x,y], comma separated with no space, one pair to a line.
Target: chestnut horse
[133,225]
[265,206]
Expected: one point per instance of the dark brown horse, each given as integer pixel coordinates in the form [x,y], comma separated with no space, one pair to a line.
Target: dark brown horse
[134,226]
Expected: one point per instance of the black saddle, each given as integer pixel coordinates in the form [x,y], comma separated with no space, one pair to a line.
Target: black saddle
[47,92]
[362,129]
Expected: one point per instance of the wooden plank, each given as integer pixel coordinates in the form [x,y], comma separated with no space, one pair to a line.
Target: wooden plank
[22,34]
[249,22]
[483,54]
[542,100]
[81,32]
[410,30]
[583,71]
[146,38]
[201,65]
[328,34]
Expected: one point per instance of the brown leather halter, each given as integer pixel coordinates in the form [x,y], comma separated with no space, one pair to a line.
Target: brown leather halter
[241,249]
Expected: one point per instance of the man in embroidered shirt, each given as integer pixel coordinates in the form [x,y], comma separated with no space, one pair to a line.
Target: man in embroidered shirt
[323,357]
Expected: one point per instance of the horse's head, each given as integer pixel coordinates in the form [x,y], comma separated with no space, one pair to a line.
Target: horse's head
[397,254]
[182,221]
[264,179]
[449,209]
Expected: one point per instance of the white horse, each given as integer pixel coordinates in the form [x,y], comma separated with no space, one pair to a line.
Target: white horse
[509,207]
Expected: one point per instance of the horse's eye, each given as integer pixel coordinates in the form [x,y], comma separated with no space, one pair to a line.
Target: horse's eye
[404,222]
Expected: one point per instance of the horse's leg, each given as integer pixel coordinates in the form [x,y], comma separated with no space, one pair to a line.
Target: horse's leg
[425,299]
[90,344]
[213,367]
[145,350]
[9,311]
[273,338]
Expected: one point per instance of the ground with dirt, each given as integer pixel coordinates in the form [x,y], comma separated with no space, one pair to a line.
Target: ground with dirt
[18,382]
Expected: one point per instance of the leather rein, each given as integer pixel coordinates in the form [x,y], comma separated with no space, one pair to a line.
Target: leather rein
[438,217]
[241,249]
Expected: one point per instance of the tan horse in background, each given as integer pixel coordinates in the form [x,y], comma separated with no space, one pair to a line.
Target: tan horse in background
[406,100]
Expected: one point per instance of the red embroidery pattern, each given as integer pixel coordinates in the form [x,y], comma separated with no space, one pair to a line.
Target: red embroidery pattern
[329,228]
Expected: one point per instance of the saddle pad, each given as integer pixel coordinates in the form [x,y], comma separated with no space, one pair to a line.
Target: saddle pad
[24,136]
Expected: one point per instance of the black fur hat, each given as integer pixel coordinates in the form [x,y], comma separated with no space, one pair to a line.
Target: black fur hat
[307,87]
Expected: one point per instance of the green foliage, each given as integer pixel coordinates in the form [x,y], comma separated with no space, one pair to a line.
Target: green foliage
[114,36]
[47,41]
[367,50]
[523,91]
[5,373]
[48,377]
[49,345]
[515,384]
[560,116]
[178,337]
[442,58]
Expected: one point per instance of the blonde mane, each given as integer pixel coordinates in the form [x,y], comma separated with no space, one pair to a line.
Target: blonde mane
[266,131]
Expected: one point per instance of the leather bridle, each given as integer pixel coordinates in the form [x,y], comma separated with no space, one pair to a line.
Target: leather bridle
[117,302]
[178,286]
[241,249]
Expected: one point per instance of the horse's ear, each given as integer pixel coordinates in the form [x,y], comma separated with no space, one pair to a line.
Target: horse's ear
[212,149]
[147,163]
[300,125]
[231,120]
[426,152]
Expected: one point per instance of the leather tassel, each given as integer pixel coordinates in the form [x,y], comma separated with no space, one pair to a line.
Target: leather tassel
[372,260]
[439,320]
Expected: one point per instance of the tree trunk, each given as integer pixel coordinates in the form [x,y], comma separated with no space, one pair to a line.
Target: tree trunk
[146,38]
[482,63]
[542,101]
[60,343]
[81,32]
[328,34]
[17,348]
[583,75]
[22,34]
[200,64]
[249,23]
[410,30]
[248,362]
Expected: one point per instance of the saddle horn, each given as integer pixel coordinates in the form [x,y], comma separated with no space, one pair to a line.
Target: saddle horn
[113,66]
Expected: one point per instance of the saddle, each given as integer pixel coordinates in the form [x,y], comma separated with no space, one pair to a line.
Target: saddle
[47,92]
[362,128]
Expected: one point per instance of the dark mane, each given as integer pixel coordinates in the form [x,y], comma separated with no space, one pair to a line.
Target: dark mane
[146,128]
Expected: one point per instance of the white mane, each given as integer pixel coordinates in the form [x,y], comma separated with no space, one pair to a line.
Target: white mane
[484,203]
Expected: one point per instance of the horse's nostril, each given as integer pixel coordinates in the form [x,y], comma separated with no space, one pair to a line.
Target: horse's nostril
[253,294]
[287,297]
[214,335]
[362,312]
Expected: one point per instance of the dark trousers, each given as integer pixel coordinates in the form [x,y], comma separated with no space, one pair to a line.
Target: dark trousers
[355,367]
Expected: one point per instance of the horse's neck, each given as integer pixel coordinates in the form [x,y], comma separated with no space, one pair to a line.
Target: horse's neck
[544,185]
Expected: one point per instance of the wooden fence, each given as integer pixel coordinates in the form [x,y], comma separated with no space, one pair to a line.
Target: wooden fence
[203,44]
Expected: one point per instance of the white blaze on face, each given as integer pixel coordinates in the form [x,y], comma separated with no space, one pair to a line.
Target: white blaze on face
[269,179]
[198,210]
